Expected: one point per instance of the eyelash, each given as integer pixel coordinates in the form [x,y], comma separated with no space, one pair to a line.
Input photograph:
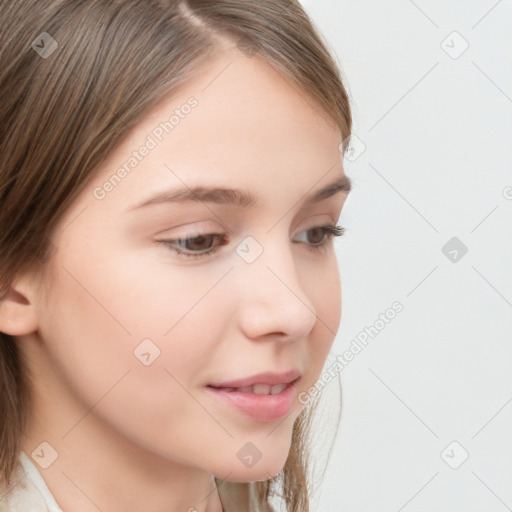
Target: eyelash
[329,230]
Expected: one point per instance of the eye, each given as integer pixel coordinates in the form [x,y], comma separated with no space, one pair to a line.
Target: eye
[196,246]
[202,245]
[322,235]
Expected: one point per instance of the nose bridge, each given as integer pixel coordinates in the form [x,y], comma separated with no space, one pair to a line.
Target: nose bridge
[272,298]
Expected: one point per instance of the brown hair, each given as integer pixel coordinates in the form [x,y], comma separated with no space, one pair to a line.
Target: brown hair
[64,112]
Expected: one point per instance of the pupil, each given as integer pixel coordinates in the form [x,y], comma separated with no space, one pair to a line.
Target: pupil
[197,242]
[320,232]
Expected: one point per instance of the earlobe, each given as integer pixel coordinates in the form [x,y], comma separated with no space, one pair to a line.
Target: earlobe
[18,315]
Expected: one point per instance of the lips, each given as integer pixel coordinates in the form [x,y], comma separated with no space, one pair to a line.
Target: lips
[260,407]
[261,383]
[258,389]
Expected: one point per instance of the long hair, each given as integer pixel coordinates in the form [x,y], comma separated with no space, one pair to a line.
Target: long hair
[68,101]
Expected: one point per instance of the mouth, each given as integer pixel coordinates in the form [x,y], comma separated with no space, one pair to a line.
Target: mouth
[262,402]
[257,389]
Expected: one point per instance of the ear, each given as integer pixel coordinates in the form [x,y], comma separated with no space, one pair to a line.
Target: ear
[18,314]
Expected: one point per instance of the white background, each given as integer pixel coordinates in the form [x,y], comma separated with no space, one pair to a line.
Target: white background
[436,165]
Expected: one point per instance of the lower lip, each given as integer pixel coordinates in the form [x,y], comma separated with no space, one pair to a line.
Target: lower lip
[259,407]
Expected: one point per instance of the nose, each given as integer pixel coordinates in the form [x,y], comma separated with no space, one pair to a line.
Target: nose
[273,302]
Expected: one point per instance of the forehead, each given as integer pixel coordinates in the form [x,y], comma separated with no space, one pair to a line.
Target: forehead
[239,122]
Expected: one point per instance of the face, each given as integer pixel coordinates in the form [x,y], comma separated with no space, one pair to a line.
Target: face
[149,305]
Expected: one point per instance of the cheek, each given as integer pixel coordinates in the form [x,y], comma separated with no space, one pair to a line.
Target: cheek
[101,382]
[328,295]
[135,334]
[325,294]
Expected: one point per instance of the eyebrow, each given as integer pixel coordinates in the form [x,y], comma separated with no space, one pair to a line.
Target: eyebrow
[237,197]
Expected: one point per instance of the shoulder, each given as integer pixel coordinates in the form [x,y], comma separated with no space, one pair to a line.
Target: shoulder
[26,493]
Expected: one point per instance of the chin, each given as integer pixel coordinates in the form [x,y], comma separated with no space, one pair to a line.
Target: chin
[263,469]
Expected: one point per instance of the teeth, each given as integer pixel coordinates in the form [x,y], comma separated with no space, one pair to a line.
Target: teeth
[259,389]
[277,389]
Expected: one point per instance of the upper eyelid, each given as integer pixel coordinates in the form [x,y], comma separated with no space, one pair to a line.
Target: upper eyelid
[193,233]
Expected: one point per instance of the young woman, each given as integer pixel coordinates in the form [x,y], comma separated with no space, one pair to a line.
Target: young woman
[171,175]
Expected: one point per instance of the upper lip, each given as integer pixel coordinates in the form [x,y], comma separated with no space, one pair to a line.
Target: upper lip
[268,378]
